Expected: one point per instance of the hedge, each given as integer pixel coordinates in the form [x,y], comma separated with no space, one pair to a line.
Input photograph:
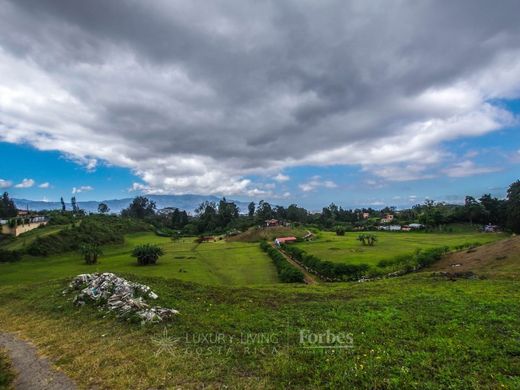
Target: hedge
[286,271]
[7,256]
[327,269]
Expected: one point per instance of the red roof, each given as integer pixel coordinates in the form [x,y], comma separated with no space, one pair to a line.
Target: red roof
[284,239]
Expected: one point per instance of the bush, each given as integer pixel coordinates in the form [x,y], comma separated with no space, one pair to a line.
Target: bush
[327,269]
[340,231]
[147,254]
[286,271]
[7,256]
[97,230]
[90,253]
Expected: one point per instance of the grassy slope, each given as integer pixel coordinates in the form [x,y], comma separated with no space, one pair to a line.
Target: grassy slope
[348,249]
[6,373]
[411,332]
[26,238]
[210,263]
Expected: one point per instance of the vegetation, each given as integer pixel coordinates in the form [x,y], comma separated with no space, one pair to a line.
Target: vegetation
[103,208]
[286,271]
[9,256]
[147,254]
[367,239]
[90,253]
[96,230]
[7,207]
[326,269]
[6,373]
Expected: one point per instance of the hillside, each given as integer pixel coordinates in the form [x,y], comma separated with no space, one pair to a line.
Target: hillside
[498,259]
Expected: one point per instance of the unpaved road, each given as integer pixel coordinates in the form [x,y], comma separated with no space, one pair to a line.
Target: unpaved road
[32,371]
[307,276]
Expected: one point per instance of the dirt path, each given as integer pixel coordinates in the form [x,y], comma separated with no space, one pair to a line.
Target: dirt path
[307,276]
[32,371]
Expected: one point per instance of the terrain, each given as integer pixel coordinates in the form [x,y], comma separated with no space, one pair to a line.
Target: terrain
[239,327]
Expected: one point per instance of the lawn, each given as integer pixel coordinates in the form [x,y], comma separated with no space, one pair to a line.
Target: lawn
[214,263]
[347,249]
[410,332]
[26,238]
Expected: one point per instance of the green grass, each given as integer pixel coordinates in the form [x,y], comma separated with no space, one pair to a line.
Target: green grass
[25,239]
[412,332]
[217,263]
[347,249]
[6,373]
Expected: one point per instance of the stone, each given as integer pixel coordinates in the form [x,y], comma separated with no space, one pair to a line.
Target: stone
[119,295]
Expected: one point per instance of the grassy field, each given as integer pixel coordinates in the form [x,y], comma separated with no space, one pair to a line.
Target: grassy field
[6,373]
[411,332]
[347,249]
[221,262]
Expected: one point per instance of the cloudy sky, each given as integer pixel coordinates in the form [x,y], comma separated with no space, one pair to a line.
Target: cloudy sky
[349,101]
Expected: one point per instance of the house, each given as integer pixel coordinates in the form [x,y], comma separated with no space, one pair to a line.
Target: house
[284,240]
[416,226]
[272,222]
[392,228]
[387,218]
[366,215]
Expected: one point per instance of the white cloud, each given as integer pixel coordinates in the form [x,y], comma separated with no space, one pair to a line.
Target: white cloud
[281,178]
[77,190]
[5,184]
[25,183]
[45,185]
[316,182]
[379,88]
[468,168]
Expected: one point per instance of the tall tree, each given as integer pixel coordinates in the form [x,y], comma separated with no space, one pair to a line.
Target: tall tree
[75,207]
[103,208]
[141,207]
[513,207]
[7,207]
[63,208]
[251,209]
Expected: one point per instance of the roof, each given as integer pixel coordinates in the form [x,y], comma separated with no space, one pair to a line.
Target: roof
[283,239]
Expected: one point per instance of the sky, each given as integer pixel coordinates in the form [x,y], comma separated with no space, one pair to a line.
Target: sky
[353,102]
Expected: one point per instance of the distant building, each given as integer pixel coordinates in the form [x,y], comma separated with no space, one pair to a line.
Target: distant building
[272,223]
[17,226]
[284,240]
[490,228]
[416,226]
[387,218]
[366,215]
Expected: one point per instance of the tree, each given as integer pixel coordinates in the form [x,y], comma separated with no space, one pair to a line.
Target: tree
[140,208]
[103,208]
[7,207]
[147,254]
[75,207]
[474,210]
[264,211]
[63,208]
[251,209]
[513,207]
[90,253]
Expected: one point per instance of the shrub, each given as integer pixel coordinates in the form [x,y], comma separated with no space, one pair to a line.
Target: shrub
[90,253]
[7,256]
[327,269]
[147,253]
[340,231]
[286,271]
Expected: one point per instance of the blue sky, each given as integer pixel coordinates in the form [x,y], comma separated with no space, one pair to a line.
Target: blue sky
[350,103]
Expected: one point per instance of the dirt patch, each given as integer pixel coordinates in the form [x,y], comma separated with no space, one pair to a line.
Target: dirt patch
[498,258]
[32,371]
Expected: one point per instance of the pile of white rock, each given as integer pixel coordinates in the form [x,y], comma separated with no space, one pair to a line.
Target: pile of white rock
[118,295]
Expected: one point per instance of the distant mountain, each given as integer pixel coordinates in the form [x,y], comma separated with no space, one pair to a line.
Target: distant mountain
[183,202]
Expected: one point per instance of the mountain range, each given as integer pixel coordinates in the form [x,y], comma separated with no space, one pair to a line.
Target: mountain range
[183,202]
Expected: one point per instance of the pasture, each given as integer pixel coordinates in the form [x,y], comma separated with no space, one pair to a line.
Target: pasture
[213,263]
[347,249]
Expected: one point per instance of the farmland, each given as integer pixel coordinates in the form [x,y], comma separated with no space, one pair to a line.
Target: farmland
[347,249]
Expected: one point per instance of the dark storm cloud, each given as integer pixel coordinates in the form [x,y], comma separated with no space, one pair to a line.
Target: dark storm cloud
[195,95]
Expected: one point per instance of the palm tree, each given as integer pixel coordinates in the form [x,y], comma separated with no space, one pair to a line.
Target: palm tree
[147,254]
[90,253]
